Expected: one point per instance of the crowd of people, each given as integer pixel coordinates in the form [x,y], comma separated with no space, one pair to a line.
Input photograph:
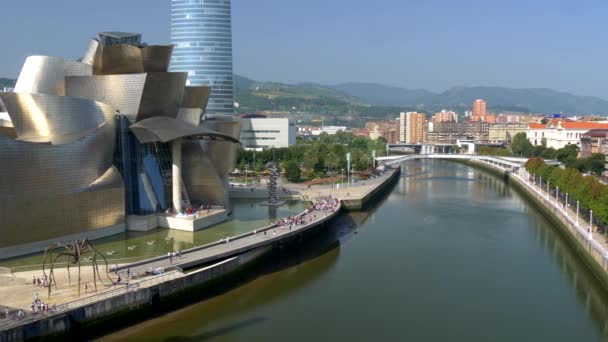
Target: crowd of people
[327,204]
[39,306]
[39,282]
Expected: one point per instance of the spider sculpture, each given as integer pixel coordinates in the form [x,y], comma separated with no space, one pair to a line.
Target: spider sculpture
[73,253]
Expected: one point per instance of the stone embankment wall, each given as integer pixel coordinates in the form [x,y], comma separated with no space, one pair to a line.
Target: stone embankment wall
[365,199]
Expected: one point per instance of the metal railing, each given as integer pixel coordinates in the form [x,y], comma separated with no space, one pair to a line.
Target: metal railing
[581,224]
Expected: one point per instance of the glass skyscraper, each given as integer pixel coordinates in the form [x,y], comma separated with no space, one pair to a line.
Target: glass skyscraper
[201,31]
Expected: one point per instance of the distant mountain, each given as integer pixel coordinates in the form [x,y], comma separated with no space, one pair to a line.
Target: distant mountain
[365,98]
[306,91]
[537,100]
[382,95]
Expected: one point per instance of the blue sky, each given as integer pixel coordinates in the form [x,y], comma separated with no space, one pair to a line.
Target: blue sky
[431,44]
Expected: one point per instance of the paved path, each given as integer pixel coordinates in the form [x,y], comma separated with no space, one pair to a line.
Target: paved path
[356,191]
[232,246]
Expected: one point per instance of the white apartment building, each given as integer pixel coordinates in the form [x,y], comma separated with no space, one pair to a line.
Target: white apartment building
[264,133]
[402,123]
[559,132]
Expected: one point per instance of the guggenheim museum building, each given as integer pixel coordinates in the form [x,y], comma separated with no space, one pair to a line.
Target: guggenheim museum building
[111,142]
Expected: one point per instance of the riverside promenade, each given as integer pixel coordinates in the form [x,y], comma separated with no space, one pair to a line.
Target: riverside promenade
[353,196]
[230,246]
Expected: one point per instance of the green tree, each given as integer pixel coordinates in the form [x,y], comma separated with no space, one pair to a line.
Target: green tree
[292,171]
[311,159]
[332,160]
[567,155]
[521,146]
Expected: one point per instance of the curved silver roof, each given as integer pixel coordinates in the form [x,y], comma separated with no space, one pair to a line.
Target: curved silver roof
[165,129]
[41,117]
[46,74]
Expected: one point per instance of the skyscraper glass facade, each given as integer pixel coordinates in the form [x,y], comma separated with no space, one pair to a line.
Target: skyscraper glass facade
[201,31]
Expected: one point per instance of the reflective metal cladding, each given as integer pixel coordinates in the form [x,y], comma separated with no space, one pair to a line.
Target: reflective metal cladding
[45,74]
[87,143]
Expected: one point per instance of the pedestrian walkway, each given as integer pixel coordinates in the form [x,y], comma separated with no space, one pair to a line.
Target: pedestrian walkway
[228,246]
[584,228]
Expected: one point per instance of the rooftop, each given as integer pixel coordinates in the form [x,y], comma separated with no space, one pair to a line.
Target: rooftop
[597,133]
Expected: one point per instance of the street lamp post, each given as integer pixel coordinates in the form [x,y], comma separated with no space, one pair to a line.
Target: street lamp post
[557,195]
[590,224]
[547,191]
[342,178]
[566,203]
[577,206]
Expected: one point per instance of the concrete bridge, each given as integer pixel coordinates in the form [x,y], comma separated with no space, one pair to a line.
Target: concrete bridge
[512,164]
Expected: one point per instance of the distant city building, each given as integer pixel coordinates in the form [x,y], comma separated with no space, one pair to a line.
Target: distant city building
[558,132]
[402,122]
[202,34]
[502,133]
[479,108]
[594,141]
[448,132]
[387,130]
[415,127]
[264,133]
[445,115]
[315,131]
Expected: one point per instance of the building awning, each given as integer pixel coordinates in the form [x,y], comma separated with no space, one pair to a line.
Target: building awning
[165,129]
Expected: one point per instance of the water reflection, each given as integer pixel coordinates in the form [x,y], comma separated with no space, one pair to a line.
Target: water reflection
[452,253]
[131,246]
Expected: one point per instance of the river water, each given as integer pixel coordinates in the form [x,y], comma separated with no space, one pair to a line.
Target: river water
[450,254]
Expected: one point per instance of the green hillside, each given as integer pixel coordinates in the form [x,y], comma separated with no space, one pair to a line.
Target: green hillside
[7,82]
[304,98]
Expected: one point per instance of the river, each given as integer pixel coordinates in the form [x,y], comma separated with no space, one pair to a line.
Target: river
[451,253]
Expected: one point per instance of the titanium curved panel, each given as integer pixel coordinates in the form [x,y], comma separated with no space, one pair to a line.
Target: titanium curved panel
[54,215]
[120,59]
[222,153]
[162,96]
[164,129]
[156,58]
[45,74]
[191,116]
[122,92]
[39,115]
[110,179]
[33,169]
[89,54]
[7,129]
[196,97]
[200,177]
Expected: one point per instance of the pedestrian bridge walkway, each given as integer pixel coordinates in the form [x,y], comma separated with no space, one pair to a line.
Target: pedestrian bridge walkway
[512,164]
